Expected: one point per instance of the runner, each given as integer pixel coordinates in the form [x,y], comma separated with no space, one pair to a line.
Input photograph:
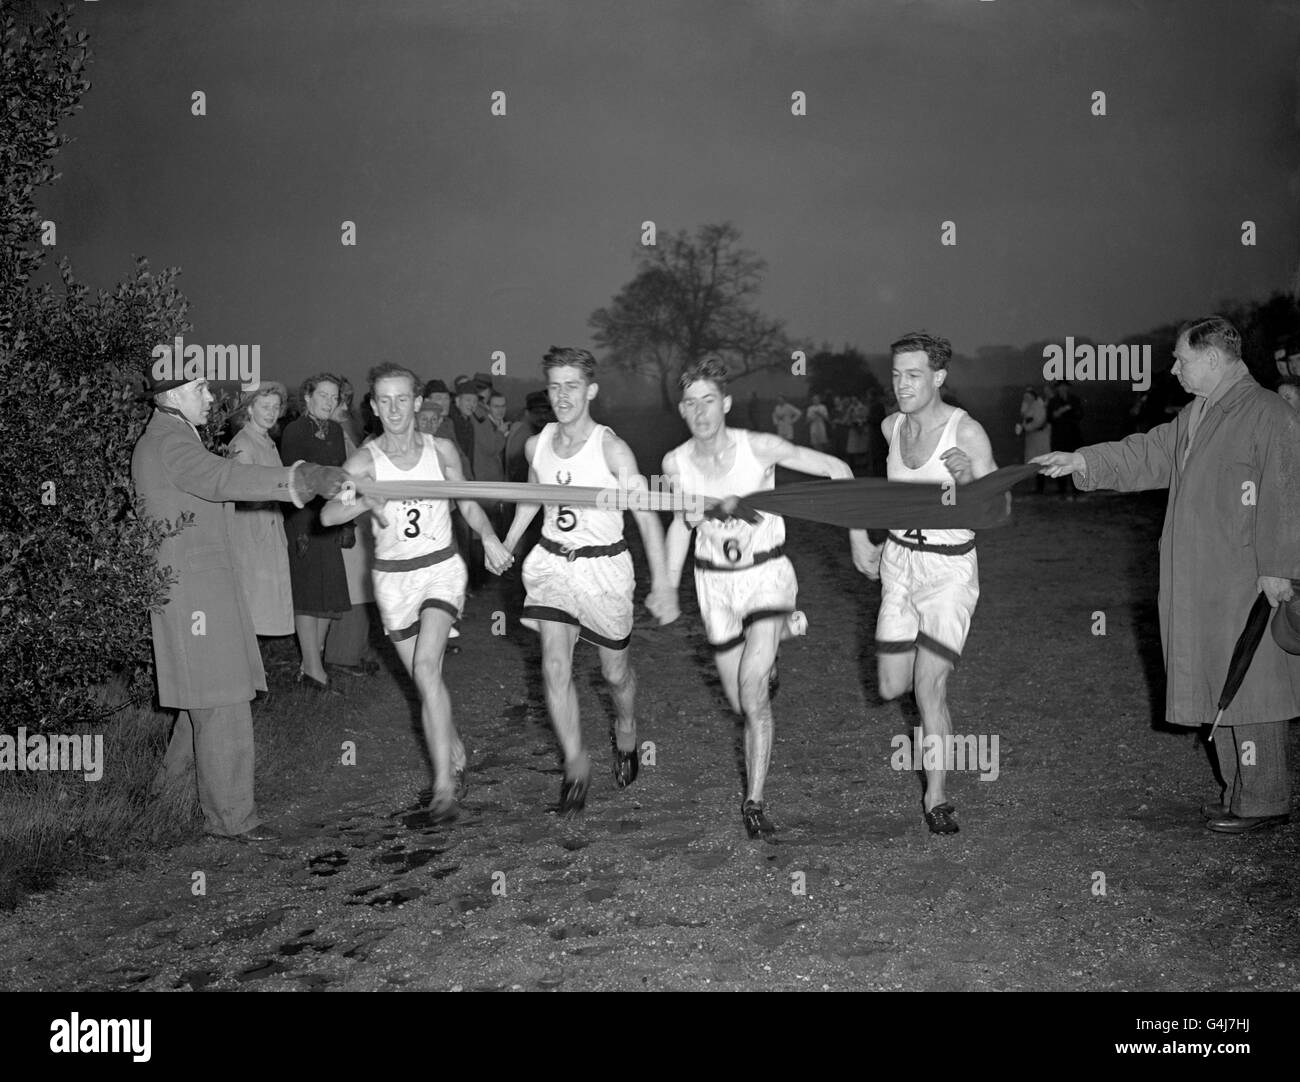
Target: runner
[746,587]
[929,578]
[418,576]
[579,576]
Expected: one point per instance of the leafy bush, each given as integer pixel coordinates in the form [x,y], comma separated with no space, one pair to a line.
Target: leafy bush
[77,571]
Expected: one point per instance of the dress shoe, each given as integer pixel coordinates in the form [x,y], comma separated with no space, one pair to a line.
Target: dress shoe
[310,683]
[1243,824]
[1215,811]
[352,670]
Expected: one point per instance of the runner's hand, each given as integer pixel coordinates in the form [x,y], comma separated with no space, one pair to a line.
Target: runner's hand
[662,604]
[958,463]
[866,556]
[496,556]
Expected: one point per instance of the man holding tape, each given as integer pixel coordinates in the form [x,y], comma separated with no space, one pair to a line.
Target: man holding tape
[205,646]
[1231,463]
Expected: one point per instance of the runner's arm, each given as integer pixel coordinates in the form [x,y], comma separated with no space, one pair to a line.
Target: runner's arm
[774,451]
[524,512]
[474,515]
[360,466]
[678,540]
[972,458]
[620,461]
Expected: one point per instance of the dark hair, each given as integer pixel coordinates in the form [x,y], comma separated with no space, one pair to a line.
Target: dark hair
[710,368]
[938,351]
[310,384]
[1212,331]
[388,370]
[568,357]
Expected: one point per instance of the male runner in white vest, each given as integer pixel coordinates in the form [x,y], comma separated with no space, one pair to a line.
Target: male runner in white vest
[419,577]
[746,587]
[579,576]
[929,578]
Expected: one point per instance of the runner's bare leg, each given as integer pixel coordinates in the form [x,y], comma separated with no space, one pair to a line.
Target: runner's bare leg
[616,667]
[422,655]
[932,699]
[759,651]
[558,641]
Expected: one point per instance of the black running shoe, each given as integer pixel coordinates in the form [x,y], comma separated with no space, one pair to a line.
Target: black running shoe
[442,809]
[941,819]
[573,794]
[756,823]
[626,765]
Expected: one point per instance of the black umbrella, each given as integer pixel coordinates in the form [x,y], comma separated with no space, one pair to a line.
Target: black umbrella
[1242,655]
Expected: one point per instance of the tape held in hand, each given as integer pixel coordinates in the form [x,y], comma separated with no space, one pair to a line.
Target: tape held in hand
[348,493]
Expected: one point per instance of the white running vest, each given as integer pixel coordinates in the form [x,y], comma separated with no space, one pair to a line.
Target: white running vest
[930,472]
[415,527]
[732,543]
[577,527]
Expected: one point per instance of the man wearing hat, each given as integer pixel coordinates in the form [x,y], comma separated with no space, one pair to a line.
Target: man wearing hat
[485,388]
[435,406]
[205,647]
[481,445]
[537,415]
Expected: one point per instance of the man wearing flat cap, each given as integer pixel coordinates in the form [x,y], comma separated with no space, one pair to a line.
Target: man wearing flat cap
[205,647]
[435,407]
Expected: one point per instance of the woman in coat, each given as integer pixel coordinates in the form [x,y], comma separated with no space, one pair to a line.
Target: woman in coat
[320,583]
[257,530]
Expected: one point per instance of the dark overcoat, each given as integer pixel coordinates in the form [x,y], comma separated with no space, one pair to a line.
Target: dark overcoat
[1233,515]
[204,644]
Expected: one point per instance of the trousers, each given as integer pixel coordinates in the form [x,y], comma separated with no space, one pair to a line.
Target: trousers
[1252,760]
[217,744]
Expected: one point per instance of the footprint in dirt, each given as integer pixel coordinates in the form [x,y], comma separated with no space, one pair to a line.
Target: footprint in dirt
[402,859]
[327,863]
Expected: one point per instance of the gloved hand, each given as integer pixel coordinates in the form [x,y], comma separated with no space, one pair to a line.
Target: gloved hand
[317,480]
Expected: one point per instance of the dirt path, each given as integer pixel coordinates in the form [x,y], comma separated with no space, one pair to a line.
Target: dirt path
[657,887]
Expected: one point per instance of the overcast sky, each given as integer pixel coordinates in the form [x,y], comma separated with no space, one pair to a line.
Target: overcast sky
[478,233]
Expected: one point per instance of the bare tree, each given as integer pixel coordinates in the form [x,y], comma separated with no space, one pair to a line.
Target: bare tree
[691,297]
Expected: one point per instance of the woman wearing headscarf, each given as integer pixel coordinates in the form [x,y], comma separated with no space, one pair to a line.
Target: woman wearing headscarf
[320,583]
[257,529]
